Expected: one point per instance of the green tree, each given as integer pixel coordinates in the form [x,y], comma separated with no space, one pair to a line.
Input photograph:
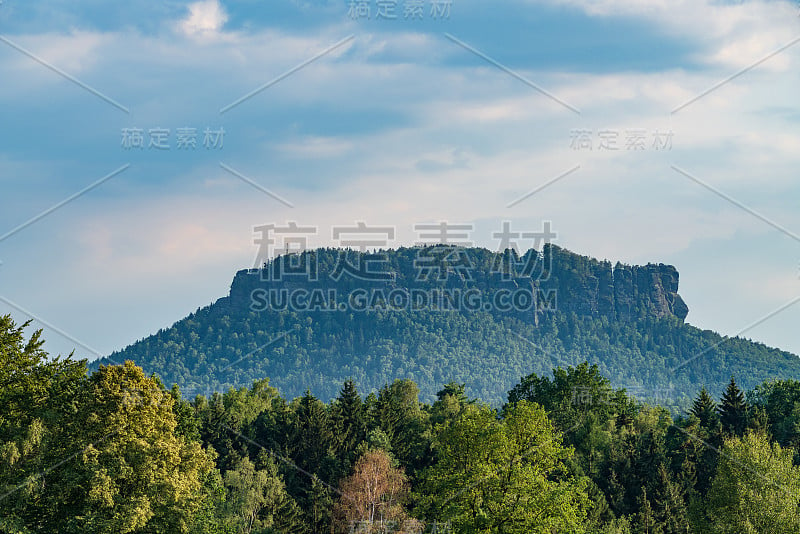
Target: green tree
[733,410]
[504,475]
[780,399]
[635,455]
[311,433]
[670,505]
[591,414]
[256,497]
[137,474]
[705,409]
[756,489]
[349,420]
[309,442]
[37,399]
[399,414]
[646,522]
[450,403]
[212,515]
[319,502]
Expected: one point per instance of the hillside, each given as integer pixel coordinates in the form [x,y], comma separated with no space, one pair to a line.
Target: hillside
[310,321]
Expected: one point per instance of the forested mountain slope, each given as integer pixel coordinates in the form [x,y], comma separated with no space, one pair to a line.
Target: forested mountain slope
[440,314]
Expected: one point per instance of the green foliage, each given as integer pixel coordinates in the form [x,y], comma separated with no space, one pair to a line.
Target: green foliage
[137,473]
[634,345]
[705,409]
[780,400]
[645,522]
[670,504]
[256,497]
[733,410]
[504,475]
[37,397]
[117,452]
[398,412]
[349,419]
[756,489]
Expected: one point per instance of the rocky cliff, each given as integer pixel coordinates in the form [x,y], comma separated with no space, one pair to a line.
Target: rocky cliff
[583,285]
[590,287]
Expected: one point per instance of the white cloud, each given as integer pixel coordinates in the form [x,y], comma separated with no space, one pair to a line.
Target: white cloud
[204,18]
[747,51]
[75,53]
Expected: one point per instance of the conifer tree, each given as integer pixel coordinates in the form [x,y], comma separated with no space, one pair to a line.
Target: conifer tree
[349,419]
[645,517]
[733,410]
[670,503]
[704,408]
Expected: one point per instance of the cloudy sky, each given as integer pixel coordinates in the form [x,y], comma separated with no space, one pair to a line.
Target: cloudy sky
[393,114]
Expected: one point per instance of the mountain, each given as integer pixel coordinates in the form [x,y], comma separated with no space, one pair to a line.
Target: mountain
[439,314]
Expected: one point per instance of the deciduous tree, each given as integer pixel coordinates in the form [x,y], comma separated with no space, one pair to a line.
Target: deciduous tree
[373,495]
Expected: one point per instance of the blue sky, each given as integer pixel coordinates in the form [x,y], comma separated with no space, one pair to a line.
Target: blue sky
[408,121]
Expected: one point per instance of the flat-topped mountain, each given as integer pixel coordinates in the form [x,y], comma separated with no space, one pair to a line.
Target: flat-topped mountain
[442,313]
[564,281]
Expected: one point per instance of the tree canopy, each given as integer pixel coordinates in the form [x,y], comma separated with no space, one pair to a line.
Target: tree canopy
[118,451]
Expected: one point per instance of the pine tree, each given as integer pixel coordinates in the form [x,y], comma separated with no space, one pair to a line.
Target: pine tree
[310,441]
[733,410]
[616,493]
[704,408]
[320,505]
[687,477]
[399,415]
[671,506]
[645,518]
[758,420]
[311,432]
[349,420]
[288,516]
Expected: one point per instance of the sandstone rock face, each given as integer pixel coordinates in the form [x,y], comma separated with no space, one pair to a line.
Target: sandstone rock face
[623,292]
[583,285]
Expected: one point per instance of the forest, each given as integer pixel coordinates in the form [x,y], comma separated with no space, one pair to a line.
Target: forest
[620,318]
[117,451]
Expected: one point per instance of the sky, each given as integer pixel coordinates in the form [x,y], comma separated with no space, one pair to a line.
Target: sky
[142,143]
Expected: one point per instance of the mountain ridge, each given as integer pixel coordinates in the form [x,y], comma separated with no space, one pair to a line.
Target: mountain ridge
[571,308]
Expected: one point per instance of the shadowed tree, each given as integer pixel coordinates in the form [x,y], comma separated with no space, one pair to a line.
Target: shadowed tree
[645,519]
[733,410]
[349,420]
[705,409]
[670,505]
